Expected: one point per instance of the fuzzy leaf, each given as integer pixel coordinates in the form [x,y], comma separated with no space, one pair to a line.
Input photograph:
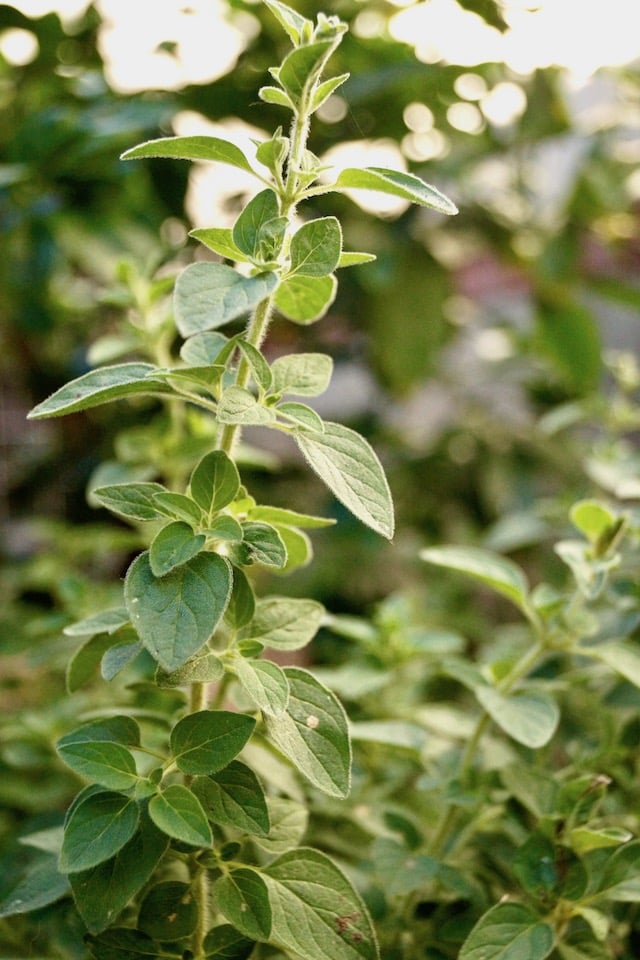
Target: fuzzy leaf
[316,912]
[313,733]
[118,729]
[109,764]
[264,544]
[220,240]
[133,501]
[243,899]
[351,470]
[316,248]
[208,295]
[224,942]
[178,813]
[509,931]
[302,66]
[204,348]
[324,90]
[305,299]
[302,374]
[290,20]
[214,482]
[301,416]
[99,826]
[179,507]
[285,623]
[190,148]
[175,615]
[238,405]
[248,227]
[496,572]
[289,821]
[172,546]
[624,658]
[234,798]
[265,683]
[529,717]
[290,518]
[207,668]
[352,258]
[398,184]
[242,605]
[108,621]
[206,741]
[101,386]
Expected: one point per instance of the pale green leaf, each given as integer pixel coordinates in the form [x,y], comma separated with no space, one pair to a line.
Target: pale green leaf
[238,405]
[296,26]
[101,386]
[207,668]
[313,733]
[290,518]
[263,544]
[498,573]
[316,248]
[396,183]
[108,621]
[402,871]
[509,931]
[179,507]
[324,90]
[583,839]
[175,615]
[133,501]
[260,369]
[191,148]
[301,416]
[302,66]
[276,96]
[351,470]
[289,820]
[265,683]
[624,658]
[305,299]
[208,295]
[172,546]
[592,518]
[302,374]
[204,348]
[352,258]
[220,240]
[234,798]
[285,623]
[530,717]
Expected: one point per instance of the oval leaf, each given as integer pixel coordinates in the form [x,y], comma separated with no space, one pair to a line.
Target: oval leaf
[305,299]
[97,829]
[101,386]
[498,573]
[109,764]
[508,931]
[302,374]
[265,683]
[531,718]
[172,546]
[214,482]
[178,813]
[208,295]
[233,797]
[285,623]
[243,899]
[206,741]
[316,248]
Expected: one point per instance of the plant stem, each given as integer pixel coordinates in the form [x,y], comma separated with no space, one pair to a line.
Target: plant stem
[201,894]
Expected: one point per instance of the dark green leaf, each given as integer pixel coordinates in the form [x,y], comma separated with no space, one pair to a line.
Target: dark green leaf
[124,944]
[178,813]
[305,299]
[214,482]
[101,386]
[316,248]
[351,470]
[117,657]
[109,764]
[134,501]
[97,829]
[248,227]
[176,614]
[233,797]
[118,729]
[571,336]
[33,885]
[208,295]
[172,546]
[264,544]
[190,148]
[509,931]
[243,899]
[168,911]
[225,943]
[85,660]
[242,604]
[206,741]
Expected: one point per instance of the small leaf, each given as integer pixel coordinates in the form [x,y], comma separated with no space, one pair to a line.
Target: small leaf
[316,248]
[508,931]
[108,621]
[109,764]
[204,348]
[313,733]
[351,470]
[289,821]
[233,797]
[260,369]
[206,741]
[248,227]
[208,295]
[301,416]
[168,911]
[324,90]
[179,507]
[276,96]
[529,717]
[582,839]
[351,258]
[285,623]
[242,605]
[97,829]
[118,729]
[498,573]
[305,299]
[133,501]
[290,518]
[593,519]
[238,405]
[85,660]
[243,899]
[296,26]
[191,148]
[265,683]
[302,66]
[402,871]
[101,386]
[317,914]
[117,657]
[172,546]
[214,482]
[302,374]
[225,527]
[220,240]
[207,668]
[123,943]
[175,615]
[178,813]
[398,184]
[264,544]
[225,943]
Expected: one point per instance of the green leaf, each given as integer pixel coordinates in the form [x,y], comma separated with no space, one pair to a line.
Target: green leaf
[85,660]
[536,865]
[101,386]
[168,911]
[207,668]
[243,899]
[276,96]
[624,658]
[178,813]
[582,839]
[191,148]
[285,623]
[225,943]
[117,657]
[265,683]
[264,544]
[305,299]
[172,546]
[509,931]
[298,547]
[324,90]
[97,829]
[248,228]
[398,184]
[220,240]
[260,369]
[208,295]
[103,892]
[529,717]
[108,621]
[238,405]
[302,66]
[313,733]
[496,572]
[297,27]
[117,729]
[291,518]
[133,501]
[242,605]
[316,248]
[351,470]
[571,336]
[621,873]
[402,871]
[123,943]
[593,519]
[352,258]
[33,885]
[180,507]
[316,912]
[109,764]
[204,348]
[175,615]
[289,821]
[225,527]
[214,482]
[206,741]
[234,798]
[302,374]
[301,416]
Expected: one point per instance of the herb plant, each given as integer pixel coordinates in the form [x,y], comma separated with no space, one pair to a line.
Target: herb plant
[184,839]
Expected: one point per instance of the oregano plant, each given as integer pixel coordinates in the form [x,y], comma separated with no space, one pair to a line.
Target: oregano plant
[184,840]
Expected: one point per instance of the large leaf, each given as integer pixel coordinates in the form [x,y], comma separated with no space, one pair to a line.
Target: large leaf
[175,615]
[190,148]
[285,623]
[109,764]
[208,295]
[102,893]
[316,913]
[206,741]
[99,826]
[313,733]
[243,899]
[233,797]
[529,717]
[178,813]
[398,184]
[350,468]
[509,931]
[33,884]
[316,248]
[101,386]
[496,572]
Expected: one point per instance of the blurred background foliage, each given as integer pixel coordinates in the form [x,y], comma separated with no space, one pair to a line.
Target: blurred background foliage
[451,350]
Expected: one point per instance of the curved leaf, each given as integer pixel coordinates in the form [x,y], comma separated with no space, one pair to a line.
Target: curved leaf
[508,931]
[398,184]
[498,573]
[208,295]
[101,386]
[191,148]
